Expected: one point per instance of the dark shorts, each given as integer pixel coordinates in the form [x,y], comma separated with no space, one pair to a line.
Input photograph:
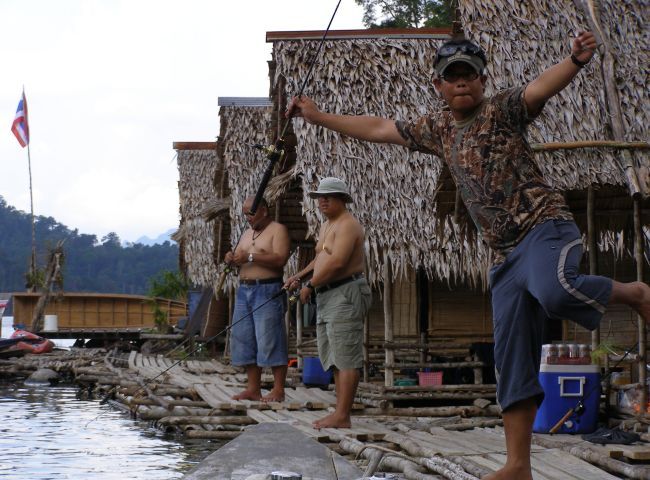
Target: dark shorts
[258,339]
[539,282]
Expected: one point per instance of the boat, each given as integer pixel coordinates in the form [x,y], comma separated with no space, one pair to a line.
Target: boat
[21,342]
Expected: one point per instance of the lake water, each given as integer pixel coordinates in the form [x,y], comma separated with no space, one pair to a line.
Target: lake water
[47,433]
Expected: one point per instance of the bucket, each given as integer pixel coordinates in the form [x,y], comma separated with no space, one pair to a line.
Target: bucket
[50,323]
[7,327]
[313,373]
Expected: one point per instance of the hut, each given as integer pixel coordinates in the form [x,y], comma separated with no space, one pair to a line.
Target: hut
[425,261]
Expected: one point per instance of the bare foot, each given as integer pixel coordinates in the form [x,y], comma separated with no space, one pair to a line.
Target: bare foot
[248,395]
[333,420]
[510,473]
[643,305]
[275,395]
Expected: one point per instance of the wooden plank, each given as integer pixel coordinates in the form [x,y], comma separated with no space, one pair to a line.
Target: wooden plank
[556,464]
[259,416]
[132,356]
[635,452]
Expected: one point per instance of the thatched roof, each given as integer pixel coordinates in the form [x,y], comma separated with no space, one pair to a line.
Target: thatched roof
[243,126]
[390,77]
[197,165]
[524,38]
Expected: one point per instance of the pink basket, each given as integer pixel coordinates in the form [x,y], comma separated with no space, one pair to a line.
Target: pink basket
[429,378]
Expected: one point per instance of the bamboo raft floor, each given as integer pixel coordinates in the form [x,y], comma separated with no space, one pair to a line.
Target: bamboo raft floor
[215,383]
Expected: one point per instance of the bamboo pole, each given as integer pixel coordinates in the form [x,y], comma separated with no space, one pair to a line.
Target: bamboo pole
[638,254]
[538,147]
[366,351]
[299,320]
[591,245]
[608,72]
[388,322]
[206,420]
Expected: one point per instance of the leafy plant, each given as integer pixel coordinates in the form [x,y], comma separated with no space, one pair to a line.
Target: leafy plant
[169,285]
[605,348]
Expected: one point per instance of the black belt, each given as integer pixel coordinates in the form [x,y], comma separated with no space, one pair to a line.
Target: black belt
[338,283]
[262,281]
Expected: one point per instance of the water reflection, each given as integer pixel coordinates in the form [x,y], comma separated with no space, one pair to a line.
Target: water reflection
[47,433]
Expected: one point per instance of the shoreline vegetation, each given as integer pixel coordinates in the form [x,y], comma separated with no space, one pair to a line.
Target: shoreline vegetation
[91,264]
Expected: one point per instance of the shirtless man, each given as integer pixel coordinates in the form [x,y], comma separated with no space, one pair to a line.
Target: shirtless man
[259,340]
[342,295]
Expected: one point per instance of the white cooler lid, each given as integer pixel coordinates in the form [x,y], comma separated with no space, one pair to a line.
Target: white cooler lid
[552,368]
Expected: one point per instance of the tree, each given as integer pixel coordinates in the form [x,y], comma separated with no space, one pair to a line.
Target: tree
[407,13]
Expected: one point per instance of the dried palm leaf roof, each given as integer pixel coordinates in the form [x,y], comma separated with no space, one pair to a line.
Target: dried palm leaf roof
[196,168]
[390,77]
[522,39]
[243,126]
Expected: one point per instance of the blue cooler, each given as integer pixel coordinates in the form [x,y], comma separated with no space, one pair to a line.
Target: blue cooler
[564,386]
[313,373]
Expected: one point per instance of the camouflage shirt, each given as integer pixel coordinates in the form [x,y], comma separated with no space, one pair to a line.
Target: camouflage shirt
[492,166]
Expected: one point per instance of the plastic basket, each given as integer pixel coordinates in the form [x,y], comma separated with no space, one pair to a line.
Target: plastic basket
[429,378]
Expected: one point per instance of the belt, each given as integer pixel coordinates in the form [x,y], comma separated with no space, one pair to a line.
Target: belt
[338,283]
[262,281]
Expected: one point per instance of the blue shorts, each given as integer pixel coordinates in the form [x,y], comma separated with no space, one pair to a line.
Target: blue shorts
[259,339]
[538,282]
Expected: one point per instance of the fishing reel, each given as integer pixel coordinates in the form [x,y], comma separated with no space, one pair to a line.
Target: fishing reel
[294,296]
[273,152]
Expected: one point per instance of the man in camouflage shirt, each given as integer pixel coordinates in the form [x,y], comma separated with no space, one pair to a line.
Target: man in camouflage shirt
[537,244]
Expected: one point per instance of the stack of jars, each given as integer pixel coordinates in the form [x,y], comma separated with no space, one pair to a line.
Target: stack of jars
[566,354]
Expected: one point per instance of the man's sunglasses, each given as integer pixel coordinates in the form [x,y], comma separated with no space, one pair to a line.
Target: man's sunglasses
[449,49]
[452,77]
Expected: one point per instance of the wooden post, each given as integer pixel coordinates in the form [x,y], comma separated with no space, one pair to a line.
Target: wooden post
[388,323]
[638,253]
[591,245]
[423,350]
[366,346]
[231,308]
[299,309]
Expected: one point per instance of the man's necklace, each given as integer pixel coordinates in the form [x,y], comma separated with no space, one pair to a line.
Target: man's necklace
[255,237]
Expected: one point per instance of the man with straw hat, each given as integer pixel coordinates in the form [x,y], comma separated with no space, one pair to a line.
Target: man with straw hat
[342,295]
[525,221]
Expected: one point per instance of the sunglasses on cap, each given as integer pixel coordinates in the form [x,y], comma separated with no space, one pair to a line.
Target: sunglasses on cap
[449,49]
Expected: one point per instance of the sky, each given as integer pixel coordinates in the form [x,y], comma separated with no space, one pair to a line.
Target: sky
[111,85]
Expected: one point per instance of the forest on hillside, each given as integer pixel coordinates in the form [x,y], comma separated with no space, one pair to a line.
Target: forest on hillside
[90,265]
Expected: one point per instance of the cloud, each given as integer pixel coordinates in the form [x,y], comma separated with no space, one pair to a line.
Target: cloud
[112,84]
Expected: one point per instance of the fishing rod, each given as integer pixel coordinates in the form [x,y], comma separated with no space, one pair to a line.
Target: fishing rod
[579,408]
[275,153]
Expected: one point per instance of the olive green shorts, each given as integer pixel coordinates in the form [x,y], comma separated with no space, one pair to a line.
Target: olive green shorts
[339,325]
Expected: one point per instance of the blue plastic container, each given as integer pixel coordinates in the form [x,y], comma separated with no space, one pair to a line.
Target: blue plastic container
[564,386]
[313,373]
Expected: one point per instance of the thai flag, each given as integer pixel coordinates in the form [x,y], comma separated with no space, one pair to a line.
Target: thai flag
[20,126]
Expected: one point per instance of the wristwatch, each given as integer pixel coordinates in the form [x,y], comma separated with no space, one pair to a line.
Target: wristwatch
[250,257]
[577,62]
[309,285]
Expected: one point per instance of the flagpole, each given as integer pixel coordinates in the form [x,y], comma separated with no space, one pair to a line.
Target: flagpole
[32,266]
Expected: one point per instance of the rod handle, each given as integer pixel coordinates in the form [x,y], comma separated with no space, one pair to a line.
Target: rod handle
[560,422]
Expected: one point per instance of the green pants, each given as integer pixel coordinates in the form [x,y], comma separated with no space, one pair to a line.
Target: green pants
[339,324]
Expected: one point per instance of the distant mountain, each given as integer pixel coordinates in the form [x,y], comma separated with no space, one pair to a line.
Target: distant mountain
[160,239]
[90,265]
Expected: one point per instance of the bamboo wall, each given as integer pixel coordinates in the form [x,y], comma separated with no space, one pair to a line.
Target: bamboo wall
[96,311]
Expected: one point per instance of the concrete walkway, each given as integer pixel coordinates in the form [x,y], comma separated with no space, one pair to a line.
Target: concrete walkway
[270,447]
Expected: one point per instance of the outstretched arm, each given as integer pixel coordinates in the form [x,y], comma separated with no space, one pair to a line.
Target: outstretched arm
[370,129]
[555,78]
